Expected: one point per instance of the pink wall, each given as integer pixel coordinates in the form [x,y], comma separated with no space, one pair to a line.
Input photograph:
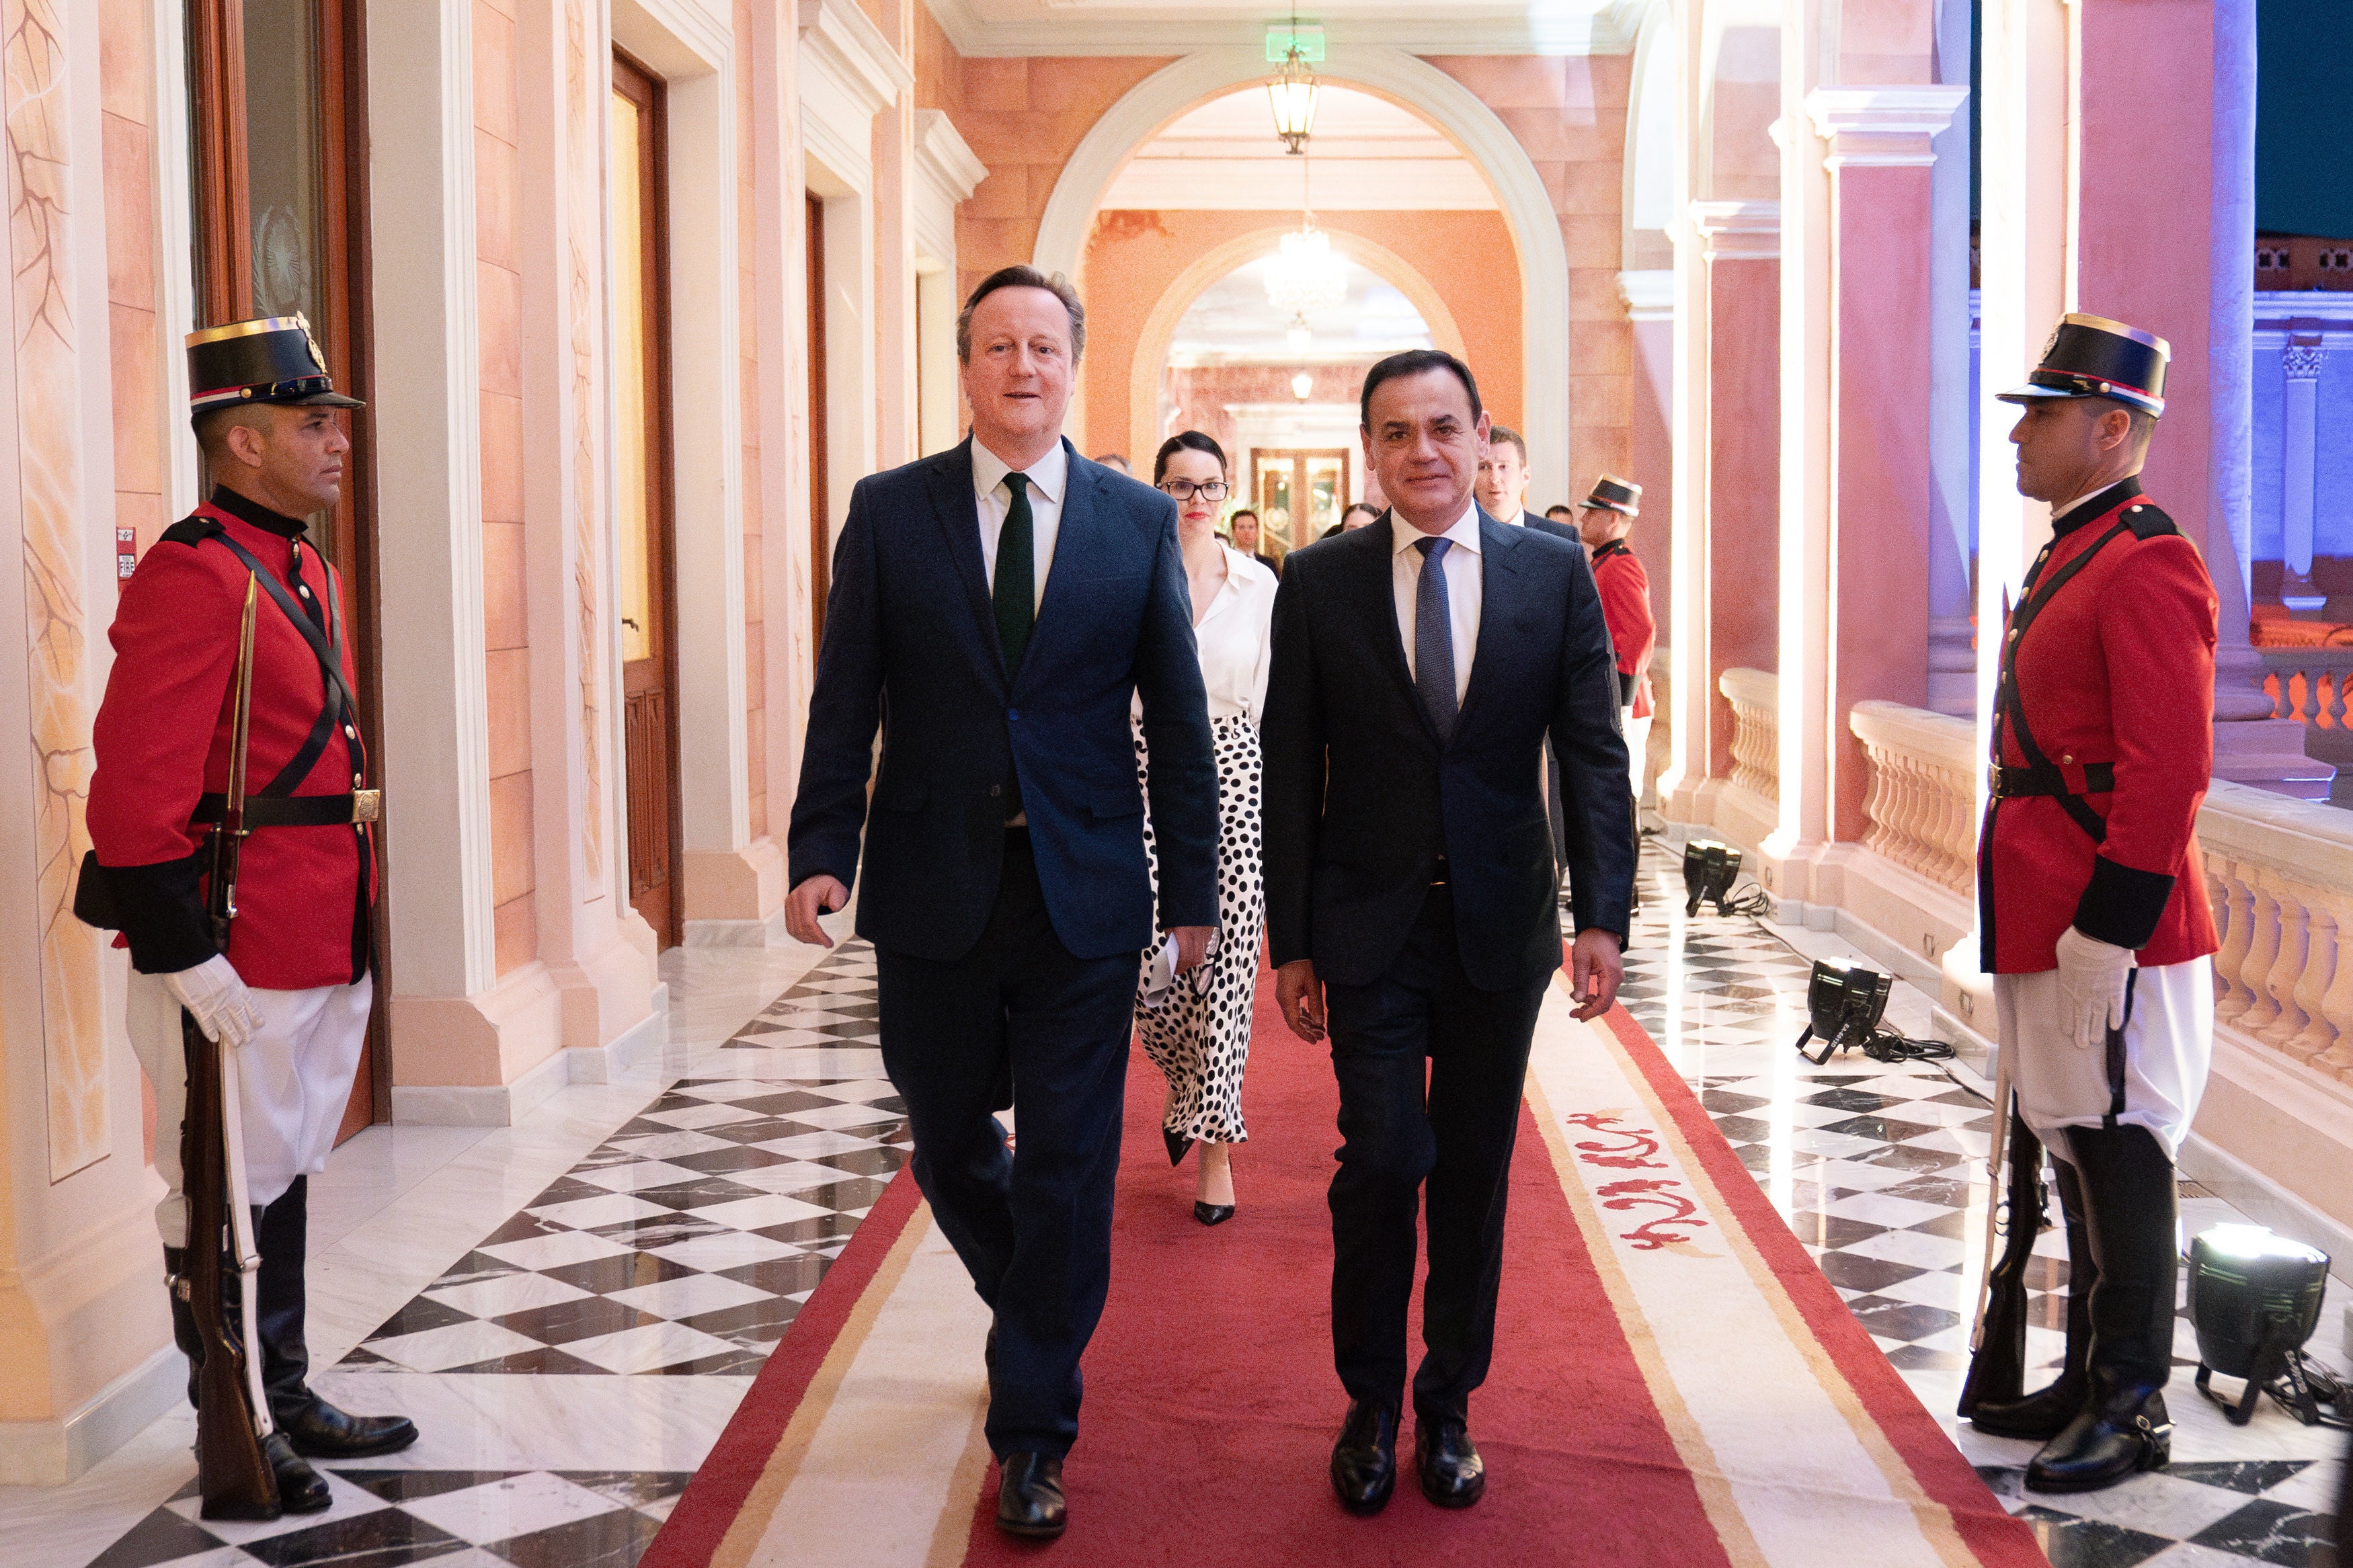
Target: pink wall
[1744,484]
[1134,258]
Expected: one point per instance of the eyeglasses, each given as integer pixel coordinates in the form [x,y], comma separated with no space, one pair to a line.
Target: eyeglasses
[1186,489]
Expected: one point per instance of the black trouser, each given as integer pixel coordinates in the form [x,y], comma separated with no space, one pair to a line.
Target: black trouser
[281,1238]
[1033,1228]
[1457,1136]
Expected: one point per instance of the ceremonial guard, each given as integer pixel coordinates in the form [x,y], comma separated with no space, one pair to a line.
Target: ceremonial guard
[2090,897]
[232,663]
[1604,518]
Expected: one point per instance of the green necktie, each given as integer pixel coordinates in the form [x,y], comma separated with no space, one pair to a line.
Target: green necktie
[1016,591]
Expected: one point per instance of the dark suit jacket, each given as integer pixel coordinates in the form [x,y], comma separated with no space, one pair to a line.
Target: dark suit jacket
[1529,520]
[911,643]
[1361,799]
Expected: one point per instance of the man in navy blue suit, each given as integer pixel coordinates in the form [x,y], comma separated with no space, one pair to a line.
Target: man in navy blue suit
[995,609]
[1420,667]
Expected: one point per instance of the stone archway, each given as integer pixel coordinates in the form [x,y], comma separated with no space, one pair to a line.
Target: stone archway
[1151,351]
[1413,84]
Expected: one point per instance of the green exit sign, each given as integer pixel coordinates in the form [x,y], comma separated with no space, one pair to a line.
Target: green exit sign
[1280,39]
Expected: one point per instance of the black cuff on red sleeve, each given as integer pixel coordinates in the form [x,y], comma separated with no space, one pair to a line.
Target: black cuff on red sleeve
[1627,686]
[160,911]
[2123,905]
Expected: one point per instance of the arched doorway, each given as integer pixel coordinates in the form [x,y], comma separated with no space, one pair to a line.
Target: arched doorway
[1528,264]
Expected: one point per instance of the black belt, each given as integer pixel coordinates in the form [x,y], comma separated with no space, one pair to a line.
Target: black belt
[297,810]
[2013,784]
[1438,878]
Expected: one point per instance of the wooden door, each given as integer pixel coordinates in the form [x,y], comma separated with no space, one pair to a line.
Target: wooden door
[819,509]
[1298,494]
[641,496]
[279,206]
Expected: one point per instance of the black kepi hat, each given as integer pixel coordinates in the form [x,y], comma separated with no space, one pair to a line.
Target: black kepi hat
[1611,493]
[272,359]
[2092,356]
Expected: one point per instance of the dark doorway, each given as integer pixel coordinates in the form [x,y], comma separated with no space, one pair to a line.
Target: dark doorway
[275,113]
[641,496]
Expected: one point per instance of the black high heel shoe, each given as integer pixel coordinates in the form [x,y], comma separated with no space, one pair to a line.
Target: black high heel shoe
[1212,1214]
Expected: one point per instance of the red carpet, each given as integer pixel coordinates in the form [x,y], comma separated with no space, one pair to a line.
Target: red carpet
[1211,1403]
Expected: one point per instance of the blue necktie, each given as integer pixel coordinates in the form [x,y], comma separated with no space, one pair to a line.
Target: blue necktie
[1433,638]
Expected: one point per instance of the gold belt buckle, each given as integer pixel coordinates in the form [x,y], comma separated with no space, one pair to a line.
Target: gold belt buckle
[1993,782]
[367,805]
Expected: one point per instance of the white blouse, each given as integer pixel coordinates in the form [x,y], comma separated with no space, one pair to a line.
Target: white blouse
[1236,638]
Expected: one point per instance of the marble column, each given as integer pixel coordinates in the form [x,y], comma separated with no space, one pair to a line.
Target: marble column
[1742,630]
[2298,463]
[1952,657]
[1855,480]
[2190,281]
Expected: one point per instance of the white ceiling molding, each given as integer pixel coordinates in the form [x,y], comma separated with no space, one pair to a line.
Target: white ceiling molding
[1649,294]
[1520,193]
[676,39]
[1019,27]
[849,74]
[1263,184]
[947,173]
[838,38]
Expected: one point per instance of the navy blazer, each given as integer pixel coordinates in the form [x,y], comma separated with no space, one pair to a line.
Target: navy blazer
[911,644]
[1361,798]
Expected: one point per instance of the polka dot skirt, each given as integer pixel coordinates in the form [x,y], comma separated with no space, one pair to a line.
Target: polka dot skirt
[1199,1042]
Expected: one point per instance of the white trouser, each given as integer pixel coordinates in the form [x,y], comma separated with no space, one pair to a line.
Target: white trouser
[1638,745]
[294,1078]
[2168,1046]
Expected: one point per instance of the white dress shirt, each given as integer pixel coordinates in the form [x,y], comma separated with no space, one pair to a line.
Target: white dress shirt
[1049,477]
[1463,587]
[1236,639]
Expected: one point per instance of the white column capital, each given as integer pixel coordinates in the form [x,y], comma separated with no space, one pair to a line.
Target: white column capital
[2304,352]
[1738,231]
[1648,295]
[1882,127]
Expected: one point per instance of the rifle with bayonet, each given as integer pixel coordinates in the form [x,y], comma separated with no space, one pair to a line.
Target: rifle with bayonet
[233,1424]
[2014,1217]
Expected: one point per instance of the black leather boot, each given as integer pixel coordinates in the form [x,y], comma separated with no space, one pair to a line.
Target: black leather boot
[2130,1214]
[313,1427]
[2043,1415]
[300,1488]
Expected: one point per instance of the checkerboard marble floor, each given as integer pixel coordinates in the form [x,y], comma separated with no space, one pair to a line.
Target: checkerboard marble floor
[572,1311]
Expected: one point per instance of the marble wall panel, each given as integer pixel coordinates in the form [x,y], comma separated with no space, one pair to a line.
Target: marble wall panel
[586,85]
[48,340]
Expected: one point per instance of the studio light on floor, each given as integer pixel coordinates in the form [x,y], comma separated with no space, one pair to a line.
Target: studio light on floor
[2254,1300]
[1709,867]
[1843,1005]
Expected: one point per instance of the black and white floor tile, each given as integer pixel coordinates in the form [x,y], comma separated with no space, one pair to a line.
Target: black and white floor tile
[1879,1169]
[673,1254]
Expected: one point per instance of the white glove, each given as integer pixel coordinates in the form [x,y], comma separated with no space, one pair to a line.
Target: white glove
[215,995]
[2091,975]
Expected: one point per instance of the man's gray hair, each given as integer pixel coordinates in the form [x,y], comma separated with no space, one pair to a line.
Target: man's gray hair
[1023,278]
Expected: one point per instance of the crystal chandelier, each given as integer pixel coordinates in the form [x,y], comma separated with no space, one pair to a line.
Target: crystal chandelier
[1305,275]
[1298,335]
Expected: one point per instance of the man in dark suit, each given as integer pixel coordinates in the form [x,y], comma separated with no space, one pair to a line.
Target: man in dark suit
[1502,491]
[1419,665]
[1244,531]
[995,609]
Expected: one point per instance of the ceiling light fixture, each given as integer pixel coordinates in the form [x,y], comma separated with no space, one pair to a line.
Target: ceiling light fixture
[1292,91]
[1305,275]
[1301,385]
[1298,334]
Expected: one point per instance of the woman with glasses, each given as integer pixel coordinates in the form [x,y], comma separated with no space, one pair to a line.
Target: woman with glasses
[1195,1028]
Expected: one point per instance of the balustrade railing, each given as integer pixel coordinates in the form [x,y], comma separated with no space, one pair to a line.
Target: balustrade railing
[2280,872]
[1756,698]
[1922,804]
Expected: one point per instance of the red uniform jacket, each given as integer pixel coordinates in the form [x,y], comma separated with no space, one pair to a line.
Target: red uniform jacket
[162,740]
[2114,672]
[1626,606]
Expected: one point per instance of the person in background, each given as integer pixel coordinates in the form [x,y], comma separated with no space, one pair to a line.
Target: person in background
[1197,1034]
[1608,516]
[1245,528]
[1502,491]
[1114,460]
[1562,512]
[995,610]
[1410,892]
[1361,515]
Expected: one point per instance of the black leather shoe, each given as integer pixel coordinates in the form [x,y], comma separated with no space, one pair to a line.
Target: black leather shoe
[1212,1214]
[320,1431]
[1030,1496]
[2042,1416]
[1453,1474]
[300,1488]
[2121,1436]
[1364,1461]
